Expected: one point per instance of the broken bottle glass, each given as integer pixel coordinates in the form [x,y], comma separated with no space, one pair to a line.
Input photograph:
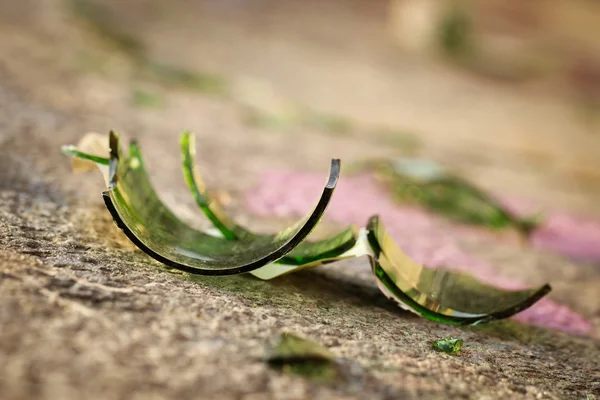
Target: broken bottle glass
[437,294]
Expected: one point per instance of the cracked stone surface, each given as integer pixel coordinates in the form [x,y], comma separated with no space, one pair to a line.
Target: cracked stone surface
[84,314]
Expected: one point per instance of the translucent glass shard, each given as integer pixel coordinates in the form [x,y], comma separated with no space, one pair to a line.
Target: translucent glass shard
[439,294]
[291,347]
[305,254]
[91,152]
[299,356]
[428,184]
[148,223]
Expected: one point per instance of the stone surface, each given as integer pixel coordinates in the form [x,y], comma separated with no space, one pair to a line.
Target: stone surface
[84,314]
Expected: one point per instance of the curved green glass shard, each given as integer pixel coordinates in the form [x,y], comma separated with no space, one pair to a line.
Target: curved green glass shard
[426,183]
[148,223]
[438,294]
[305,254]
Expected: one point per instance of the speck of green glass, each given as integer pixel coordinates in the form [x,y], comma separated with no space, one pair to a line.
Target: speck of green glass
[295,355]
[448,345]
[290,346]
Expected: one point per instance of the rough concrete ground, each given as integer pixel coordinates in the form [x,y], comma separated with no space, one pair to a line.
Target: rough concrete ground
[84,314]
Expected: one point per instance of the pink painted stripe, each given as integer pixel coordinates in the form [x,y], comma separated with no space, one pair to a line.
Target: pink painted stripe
[572,236]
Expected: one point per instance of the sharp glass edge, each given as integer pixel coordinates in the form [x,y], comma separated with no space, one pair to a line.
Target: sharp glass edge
[425,304]
[300,230]
[305,255]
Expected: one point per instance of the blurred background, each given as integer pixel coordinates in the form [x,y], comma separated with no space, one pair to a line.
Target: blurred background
[505,92]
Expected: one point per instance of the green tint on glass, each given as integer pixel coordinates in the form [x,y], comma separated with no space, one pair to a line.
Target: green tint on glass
[448,345]
[296,355]
[291,347]
[73,151]
[306,253]
[149,224]
[438,294]
[426,183]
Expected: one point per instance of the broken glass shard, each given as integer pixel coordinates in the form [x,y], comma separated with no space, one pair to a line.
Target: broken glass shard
[439,294]
[299,356]
[428,184]
[291,347]
[91,152]
[448,345]
[305,254]
[148,223]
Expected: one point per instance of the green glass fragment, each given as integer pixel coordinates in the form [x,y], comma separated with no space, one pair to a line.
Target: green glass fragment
[440,295]
[448,345]
[305,254]
[296,355]
[73,151]
[426,183]
[437,294]
[150,225]
[292,347]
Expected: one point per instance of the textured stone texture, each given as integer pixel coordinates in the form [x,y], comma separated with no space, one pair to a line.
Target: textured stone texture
[84,314]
